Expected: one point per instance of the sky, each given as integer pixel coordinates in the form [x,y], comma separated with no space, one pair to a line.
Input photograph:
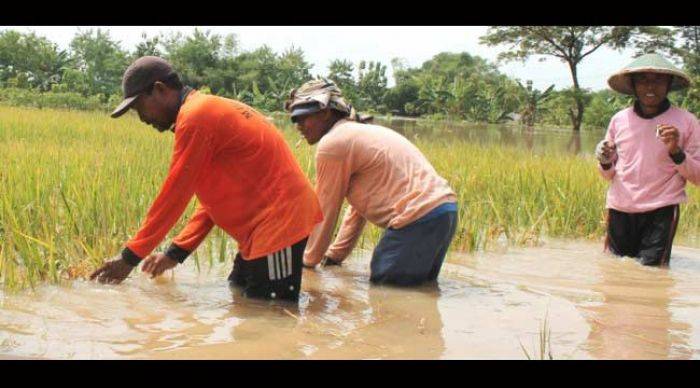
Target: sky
[413,44]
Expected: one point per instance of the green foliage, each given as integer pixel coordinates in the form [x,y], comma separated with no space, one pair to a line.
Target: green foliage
[195,56]
[371,86]
[561,106]
[148,46]
[455,85]
[531,104]
[449,85]
[56,99]
[30,61]
[691,98]
[602,106]
[570,44]
[99,64]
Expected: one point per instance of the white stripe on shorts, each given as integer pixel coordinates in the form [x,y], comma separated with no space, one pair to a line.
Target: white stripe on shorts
[279,264]
[283,263]
[288,253]
[271,267]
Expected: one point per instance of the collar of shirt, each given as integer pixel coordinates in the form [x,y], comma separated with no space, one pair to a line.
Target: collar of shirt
[665,105]
[183,96]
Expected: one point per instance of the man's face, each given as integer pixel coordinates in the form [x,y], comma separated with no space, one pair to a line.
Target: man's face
[651,88]
[155,108]
[314,125]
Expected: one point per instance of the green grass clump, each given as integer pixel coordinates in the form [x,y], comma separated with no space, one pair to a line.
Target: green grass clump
[75,185]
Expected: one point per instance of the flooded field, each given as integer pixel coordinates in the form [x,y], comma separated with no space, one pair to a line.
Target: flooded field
[487,306]
[537,140]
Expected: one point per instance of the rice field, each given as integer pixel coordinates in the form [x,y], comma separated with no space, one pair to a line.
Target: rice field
[75,185]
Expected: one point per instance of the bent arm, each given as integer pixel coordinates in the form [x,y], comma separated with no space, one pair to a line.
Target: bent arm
[349,233]
[332,180]
[191,157]
[187,241]
[689,167]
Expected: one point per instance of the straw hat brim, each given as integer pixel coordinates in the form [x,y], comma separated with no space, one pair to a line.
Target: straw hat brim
[622,81]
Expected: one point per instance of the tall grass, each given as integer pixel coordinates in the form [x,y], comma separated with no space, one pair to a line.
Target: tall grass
[75,185]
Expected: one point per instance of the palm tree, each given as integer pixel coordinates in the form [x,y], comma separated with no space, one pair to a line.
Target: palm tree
[533,99]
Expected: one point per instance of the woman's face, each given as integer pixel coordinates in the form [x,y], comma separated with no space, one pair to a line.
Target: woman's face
[651,88]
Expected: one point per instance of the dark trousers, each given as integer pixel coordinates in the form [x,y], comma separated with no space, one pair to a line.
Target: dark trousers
[275,276]
[413,254]
[645,236]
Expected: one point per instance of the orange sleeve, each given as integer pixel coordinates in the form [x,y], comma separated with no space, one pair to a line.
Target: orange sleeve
[195,231]
[191,157]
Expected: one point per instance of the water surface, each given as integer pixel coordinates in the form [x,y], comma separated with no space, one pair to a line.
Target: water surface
[486,306]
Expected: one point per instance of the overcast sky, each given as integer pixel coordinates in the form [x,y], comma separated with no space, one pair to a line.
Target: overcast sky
[414,44]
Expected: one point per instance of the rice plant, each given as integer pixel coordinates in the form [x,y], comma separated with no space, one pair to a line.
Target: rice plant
[75,185]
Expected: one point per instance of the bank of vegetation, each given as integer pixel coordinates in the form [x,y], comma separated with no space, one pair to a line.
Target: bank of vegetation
[35,72]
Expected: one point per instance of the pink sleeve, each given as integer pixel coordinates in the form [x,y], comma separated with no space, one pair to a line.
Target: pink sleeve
[690,168]
[349,233]
[332,180]
[609,136]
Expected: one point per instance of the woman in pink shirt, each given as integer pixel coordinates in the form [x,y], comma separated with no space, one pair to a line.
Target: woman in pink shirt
[649,152]
[385,179]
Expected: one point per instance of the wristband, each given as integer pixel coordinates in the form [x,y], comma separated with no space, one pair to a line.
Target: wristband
[176,253]
[678,157]
[130,257]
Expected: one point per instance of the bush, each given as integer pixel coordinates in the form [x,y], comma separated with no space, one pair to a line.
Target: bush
[56,99]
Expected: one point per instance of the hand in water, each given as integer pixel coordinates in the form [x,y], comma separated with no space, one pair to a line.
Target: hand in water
[606,152]
[157,263]
[669,135]
[113,271]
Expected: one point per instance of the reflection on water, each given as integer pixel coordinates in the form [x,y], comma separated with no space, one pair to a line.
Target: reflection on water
[537,140]
[634,319]
[487,305]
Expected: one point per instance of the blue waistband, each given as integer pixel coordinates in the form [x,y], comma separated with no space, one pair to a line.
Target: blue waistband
[438,211]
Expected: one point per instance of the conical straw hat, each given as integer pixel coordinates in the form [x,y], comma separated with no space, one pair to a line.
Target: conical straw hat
[648,63]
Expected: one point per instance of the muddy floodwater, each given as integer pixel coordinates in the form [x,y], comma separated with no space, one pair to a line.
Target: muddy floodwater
[487,306]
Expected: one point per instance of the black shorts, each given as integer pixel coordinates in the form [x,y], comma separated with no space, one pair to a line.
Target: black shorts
[275,276]
[646,236]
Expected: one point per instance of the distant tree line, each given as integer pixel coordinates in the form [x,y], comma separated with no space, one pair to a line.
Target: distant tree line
[87,75]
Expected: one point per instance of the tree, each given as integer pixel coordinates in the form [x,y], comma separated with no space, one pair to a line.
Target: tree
[28,60]
[99,64]
[533,99]
[371,85]
[571,44]
[341,71]
[690,47]
[405,91]
[603,105]
[194,56]
[148,46]
[681,44]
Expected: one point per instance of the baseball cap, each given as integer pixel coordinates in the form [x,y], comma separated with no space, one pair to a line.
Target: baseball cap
[139,77]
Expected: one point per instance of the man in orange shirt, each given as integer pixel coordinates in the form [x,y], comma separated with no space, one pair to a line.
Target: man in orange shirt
[243,173]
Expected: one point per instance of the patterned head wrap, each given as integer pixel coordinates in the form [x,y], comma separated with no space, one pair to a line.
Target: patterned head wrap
[317,95]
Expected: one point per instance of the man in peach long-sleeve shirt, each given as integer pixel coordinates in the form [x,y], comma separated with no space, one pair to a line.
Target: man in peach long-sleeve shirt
[386,181]
[243,173]
[649,152]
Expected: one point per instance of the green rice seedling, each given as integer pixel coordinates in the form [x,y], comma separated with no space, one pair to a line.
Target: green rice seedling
[543,350]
